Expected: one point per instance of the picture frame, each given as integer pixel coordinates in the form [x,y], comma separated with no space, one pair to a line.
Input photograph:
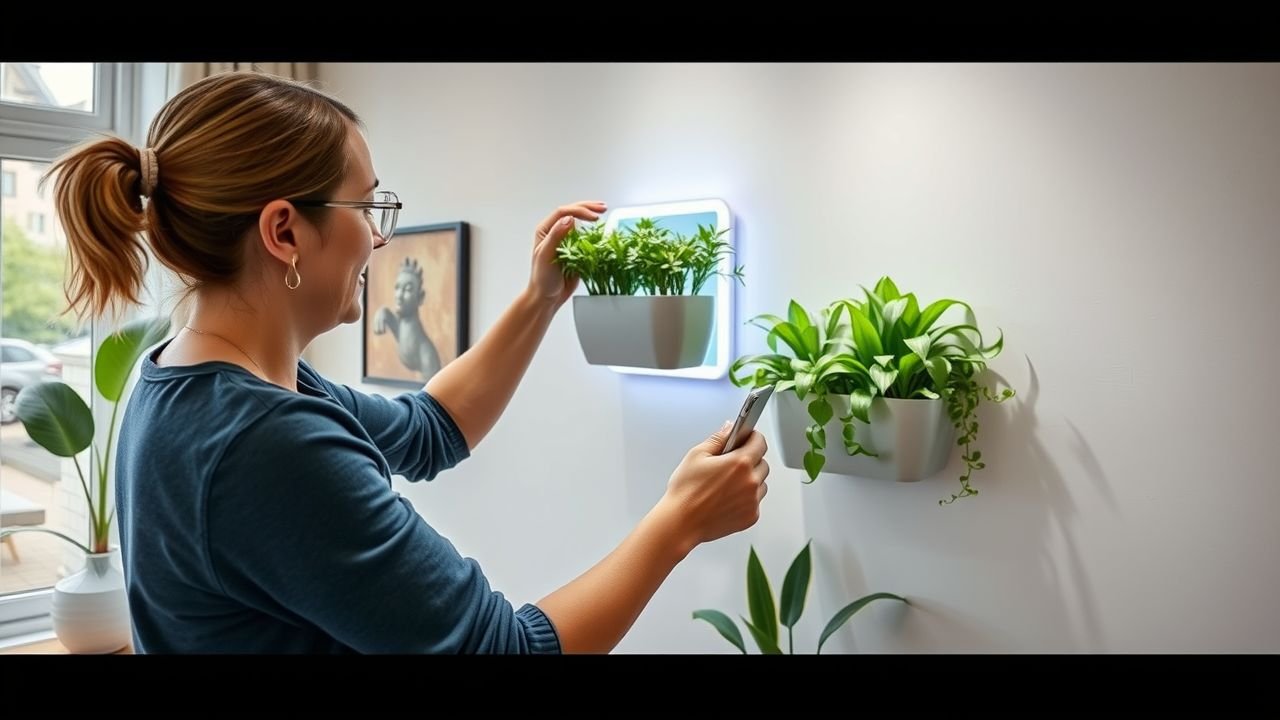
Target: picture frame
[416,305]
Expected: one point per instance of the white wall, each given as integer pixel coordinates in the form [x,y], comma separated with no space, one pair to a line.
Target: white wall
[1117,221]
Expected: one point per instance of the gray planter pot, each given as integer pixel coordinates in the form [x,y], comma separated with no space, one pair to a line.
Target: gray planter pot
[659,331]
[913,438]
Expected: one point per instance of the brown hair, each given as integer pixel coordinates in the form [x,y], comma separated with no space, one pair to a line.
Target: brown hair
[224,147]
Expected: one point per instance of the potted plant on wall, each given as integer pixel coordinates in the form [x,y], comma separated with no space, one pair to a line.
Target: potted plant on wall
[90,608]
[884,376]
[643,307]
[766,615]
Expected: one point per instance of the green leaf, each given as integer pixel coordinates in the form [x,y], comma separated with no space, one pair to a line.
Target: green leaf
[798,316]
[932,313]
[820,410]
[784,385]
[907,368]
[721,622]
[865,336]
[120,352]
[809,336]
[833,318]
[920,345]
[760,598]
[813,463]
[911,316]
[817,436]
[883,360]
[893,311]
[995,347]
[55,417]
[804,383]
[768,645]
[795,587]
[883,378]
[847,612]
[887,290]
[928,393]
[939,371]
[860,405]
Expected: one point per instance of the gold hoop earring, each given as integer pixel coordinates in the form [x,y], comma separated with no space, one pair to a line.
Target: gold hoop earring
[293,267]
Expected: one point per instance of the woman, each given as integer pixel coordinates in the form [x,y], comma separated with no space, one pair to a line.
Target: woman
[255,500]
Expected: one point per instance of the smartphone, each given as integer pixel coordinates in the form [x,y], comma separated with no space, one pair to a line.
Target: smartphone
[752,407]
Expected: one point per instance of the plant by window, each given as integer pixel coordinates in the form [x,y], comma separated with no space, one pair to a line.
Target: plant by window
[645,258]
[883,346]
[765,619]
[58,420]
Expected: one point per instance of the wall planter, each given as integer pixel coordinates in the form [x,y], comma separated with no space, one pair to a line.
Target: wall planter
[663,332]
[657,281]
[910,439]
[868,388]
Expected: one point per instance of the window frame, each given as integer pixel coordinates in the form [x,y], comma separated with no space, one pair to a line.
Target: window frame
[124,95]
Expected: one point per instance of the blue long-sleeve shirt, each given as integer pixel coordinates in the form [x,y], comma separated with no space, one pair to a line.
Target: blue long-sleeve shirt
[258,520]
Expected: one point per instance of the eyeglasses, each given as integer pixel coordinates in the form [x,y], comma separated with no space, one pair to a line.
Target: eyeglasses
[381,212]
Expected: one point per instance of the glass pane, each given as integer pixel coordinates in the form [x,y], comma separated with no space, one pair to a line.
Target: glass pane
[67,86]
[37,489]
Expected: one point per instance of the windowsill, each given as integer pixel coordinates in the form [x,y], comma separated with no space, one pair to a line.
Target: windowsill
[44,643]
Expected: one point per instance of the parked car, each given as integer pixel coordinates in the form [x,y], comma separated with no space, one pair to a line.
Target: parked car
[22,364]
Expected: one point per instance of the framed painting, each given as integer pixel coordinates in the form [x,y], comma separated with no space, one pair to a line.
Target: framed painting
[416,304]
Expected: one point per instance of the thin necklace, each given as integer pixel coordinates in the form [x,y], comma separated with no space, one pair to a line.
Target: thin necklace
[237,347]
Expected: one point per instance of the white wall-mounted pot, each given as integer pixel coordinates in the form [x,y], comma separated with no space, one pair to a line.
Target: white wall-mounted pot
[912,438]
[649,331]
[90,610]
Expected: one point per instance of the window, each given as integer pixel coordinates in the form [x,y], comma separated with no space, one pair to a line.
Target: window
[45,108]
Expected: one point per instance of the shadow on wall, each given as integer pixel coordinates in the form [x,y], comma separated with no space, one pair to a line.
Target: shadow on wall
[1007,554]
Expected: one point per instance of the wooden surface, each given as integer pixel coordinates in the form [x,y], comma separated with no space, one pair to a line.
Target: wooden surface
[49,647]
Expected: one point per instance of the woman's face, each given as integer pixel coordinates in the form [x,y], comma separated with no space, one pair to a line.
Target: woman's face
[334,278]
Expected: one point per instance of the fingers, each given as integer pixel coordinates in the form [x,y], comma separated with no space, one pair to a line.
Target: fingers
[755,447]
[586,210]
[760,472]
[760,493]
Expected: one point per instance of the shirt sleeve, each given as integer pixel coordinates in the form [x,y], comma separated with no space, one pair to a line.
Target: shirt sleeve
[413,431]
[303,524]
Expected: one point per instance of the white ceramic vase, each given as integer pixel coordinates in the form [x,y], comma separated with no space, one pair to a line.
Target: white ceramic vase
[90,608]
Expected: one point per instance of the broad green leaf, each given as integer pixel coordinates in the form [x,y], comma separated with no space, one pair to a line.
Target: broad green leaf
[865,337]
[920,346]
[813,463]
[768,645]
[911,316]
[860,405]
[837,344]
[932,313]
[907,368]
[789,335]
[833,318]
[721,622]
[820,410]
[804,383]
[798,316]
[784,385]
[874,309]
[883,378]
[884,360]
[928,393]
[120,352]
[795,586]
[893,311]
[811,341]
[55,417]
[764,615]
[995,347]
[847,612]
[887,290]
[939,371]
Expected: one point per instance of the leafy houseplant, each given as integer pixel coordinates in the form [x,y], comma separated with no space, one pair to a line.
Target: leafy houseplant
[56,418]
[866,353]
[643,306]
[764,621]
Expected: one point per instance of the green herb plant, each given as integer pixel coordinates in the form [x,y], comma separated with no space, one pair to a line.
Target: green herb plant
[645,258]
[882,346]
[766,616]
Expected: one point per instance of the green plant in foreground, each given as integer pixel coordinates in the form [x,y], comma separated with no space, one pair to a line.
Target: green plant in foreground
[764,621]
[644,258]
[58,420]
[883,346]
